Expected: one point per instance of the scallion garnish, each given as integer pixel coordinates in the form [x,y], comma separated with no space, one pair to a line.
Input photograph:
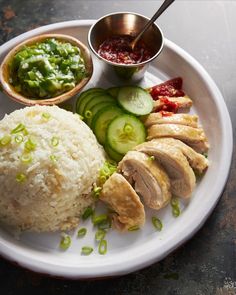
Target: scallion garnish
[26,158]
[100,235]
[46,116]
[157,223]
[19,128]
[30,145]
[102,247]
[20,177]
[106,224]
[65,241]
[87,213]
[5,140]
[99,219]
[53,158]
[175,207]
[86,250]
[106,171]
[151,158]
[81,232]
[19,138]
[54,141]
[96,191]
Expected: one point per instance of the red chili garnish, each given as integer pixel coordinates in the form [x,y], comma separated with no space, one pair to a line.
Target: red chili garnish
[171,88]
[169,106]
[166,114]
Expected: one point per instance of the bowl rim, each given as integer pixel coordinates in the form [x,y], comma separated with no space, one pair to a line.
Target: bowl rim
[9,90]
[125,65]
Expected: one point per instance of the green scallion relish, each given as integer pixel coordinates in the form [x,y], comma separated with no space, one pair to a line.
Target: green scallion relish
[47,69]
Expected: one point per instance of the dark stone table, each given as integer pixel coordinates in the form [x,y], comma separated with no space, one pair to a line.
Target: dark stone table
[207,263]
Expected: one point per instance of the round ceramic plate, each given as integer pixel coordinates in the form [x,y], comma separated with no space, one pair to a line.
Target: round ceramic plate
[134,250]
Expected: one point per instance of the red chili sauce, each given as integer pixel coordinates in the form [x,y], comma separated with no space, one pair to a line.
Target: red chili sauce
[116,49]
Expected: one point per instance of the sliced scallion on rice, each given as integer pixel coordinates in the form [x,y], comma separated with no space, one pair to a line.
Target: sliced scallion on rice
[65,241]
[81,232]
[86,250]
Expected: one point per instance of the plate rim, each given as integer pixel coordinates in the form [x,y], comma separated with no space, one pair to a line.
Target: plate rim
[123,268]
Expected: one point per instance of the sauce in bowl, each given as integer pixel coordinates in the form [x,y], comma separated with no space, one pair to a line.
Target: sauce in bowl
[116,49]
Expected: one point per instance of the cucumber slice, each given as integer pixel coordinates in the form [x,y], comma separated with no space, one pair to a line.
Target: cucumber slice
[124,133]
[112,154]
[96,109]
[80,97]
[83,99]
[135,100]
[95,100]
[102,120]
[113,91]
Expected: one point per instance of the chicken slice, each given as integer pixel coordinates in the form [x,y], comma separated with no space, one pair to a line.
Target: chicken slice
[181,175]
[180,119]
[119,194]
[147,177]
[194,137]
[197,161]
[183,102]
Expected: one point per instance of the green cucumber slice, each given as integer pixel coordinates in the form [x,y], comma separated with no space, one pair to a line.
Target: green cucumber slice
[112,154]
[124,133]
[95,100]
[135,100]
[96,109]
[113,91]
[102,120]
[83,99]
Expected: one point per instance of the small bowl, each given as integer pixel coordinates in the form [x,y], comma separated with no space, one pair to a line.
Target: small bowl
[125,23]
[5,71]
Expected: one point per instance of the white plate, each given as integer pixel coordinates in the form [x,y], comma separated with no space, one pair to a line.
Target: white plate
[134,250]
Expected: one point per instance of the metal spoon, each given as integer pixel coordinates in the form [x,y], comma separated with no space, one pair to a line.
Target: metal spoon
[163,7]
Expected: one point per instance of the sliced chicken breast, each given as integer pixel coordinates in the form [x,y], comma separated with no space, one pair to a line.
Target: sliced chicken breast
[147,177]
[181,175]
[119,194]
[184,102]
[194,137]
[197,161]
[180,119]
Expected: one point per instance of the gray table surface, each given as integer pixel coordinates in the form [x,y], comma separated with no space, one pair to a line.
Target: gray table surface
[207,263]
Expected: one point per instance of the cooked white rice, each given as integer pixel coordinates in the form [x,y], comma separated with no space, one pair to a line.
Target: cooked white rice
[58,180]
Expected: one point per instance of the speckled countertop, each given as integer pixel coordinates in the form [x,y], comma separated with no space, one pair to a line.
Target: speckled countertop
[207,263]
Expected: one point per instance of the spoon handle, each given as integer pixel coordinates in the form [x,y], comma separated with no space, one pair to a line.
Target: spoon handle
[163,7]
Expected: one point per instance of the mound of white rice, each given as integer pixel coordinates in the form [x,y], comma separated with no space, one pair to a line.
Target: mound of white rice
[47,170]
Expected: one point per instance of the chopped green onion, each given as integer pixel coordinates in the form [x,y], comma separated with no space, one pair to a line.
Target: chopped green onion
[133,228]
[65,242]
[96,191]
[128,129]
[87,213]
[100,235]
[26,158]
[5,140]
[20,177]
[88,114]
[106,171]
[175,207]
[30,145]
[55,141]
[151,158]
[86,250]
[19,138]
[205,155]
[82,232]
[106,224]
[99,219]
[19,128]
[102,247]
[157,223]
[81,117]
[46,116]
[53,158]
